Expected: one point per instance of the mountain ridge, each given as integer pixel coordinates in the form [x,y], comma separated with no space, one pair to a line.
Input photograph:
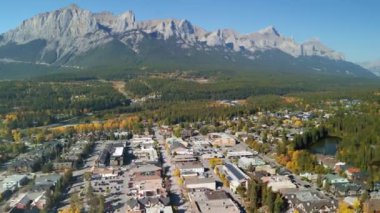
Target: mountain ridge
[70,33]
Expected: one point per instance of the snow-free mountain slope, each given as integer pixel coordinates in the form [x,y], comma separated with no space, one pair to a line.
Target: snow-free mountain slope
[77,37]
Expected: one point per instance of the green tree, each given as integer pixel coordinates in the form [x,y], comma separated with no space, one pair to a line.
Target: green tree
[278,204]
[269,200]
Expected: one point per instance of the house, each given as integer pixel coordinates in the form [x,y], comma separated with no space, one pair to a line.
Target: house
[5,193]
[351,172]
[347,189]
[278,182]
[47,180]
[200,183]
[245,163]
[333,179]
[14,181]
[194,167]
[309,176]
[309,201]
[340,167]
[40,201]
[212,202]
[235,176]
[23,203]
[221,139]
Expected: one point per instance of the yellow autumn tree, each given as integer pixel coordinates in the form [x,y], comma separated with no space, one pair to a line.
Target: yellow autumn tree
[344,208]
[16,134]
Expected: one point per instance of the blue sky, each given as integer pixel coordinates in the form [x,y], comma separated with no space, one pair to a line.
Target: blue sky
[348,26]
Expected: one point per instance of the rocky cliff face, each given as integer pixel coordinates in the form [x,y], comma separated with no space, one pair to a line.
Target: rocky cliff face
[73,31]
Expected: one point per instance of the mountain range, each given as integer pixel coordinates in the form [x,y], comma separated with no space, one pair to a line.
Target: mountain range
[373,66]
[75,38]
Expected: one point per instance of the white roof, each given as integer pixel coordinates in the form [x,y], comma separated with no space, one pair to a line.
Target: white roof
[118,151]
[14,178]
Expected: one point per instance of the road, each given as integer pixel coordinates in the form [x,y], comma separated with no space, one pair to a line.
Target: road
[176,195]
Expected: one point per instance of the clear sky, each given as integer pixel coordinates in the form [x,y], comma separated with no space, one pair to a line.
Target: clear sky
[348,26]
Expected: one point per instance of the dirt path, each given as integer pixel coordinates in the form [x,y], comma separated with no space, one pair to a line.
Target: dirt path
[120,87]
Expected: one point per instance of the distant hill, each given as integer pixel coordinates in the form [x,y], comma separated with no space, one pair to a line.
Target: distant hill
[373,66]
[77,39]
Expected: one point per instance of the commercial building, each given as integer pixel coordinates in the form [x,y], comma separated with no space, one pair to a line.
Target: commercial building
[221,139]
[200,183]
[212,202]
[236,176]
[266,168]
[148,181]
[144,141]
[117,157]
[145,155]
[278,182]
[187,168]
[245,162]
[239,154]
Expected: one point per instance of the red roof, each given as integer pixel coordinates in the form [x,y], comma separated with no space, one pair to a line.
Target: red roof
[353,170]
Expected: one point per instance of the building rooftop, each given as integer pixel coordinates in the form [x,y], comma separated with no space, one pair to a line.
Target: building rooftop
[118,152]
[213,202]
[49,179]
[235,172]
[196,180]
[147,168]
[14,178]
[190,165]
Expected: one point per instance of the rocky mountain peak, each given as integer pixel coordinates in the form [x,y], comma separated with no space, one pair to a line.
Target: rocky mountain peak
[270,30]
[72,30]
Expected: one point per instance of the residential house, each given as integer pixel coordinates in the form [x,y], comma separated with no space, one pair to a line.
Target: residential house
[351,172]
[308,201]
[347,189]
[14,181]
[47,180]
[333,179]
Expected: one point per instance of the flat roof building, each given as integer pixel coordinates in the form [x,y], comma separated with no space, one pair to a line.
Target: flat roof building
[213,202]
[200,183]
[235,176]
